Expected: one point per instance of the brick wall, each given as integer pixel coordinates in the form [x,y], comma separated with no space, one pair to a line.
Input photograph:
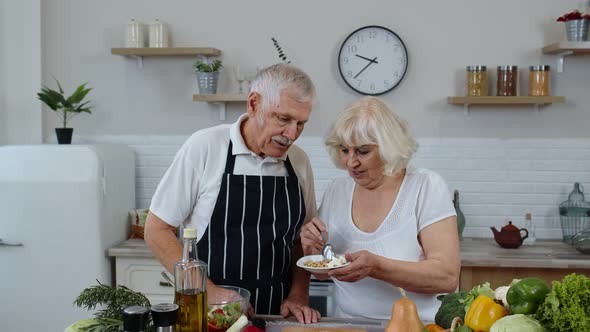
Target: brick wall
[498,180]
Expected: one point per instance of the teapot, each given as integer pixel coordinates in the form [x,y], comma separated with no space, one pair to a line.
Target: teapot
[510,236]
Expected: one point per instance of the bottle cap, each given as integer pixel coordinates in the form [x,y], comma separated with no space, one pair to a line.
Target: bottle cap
[189,233]
[528,216]
[164,314]
[135,318]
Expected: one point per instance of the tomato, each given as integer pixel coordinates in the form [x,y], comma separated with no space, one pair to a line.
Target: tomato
[212,327]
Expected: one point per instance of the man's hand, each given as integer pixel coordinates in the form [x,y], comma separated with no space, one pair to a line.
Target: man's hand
[297,306]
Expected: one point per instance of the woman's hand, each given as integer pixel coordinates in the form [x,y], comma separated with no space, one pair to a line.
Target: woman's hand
[362,265]
[311,239]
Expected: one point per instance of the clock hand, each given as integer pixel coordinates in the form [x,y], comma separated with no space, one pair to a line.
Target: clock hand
[368,64]
[362,57]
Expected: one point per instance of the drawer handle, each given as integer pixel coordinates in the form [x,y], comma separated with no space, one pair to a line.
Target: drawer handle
[10,244]
[165,284]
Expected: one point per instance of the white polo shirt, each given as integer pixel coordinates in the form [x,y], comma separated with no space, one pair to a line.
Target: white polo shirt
[188,191]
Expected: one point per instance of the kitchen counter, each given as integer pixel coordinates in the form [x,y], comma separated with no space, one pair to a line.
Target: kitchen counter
[277,323]
[481,260]
[474,252]
[543,254]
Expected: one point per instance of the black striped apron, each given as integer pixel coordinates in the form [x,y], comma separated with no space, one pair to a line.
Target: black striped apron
[249,240]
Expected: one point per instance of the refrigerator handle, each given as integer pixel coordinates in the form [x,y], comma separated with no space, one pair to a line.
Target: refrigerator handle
[9,244]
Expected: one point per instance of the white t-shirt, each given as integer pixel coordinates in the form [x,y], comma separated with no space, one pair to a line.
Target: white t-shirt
[423,199]
[188,191]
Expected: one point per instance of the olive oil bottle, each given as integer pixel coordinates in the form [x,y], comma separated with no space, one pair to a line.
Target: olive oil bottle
[190,277]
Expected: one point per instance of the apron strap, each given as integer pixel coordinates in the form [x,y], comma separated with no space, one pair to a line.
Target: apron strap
[230,160]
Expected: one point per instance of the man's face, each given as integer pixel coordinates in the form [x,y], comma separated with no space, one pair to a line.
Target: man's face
[279,125]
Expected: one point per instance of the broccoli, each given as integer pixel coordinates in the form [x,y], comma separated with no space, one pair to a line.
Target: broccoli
[450,308]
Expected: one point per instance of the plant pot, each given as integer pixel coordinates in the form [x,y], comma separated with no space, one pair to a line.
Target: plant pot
[207,82]
[64,135]
[577,30]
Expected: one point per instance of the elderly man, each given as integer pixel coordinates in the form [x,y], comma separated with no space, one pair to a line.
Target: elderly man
[247,190]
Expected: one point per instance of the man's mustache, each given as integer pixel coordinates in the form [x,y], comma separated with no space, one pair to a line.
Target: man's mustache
[282,140]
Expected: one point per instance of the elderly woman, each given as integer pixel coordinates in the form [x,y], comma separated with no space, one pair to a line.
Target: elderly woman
[396,224]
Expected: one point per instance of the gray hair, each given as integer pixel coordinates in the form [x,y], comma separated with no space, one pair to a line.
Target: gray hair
[369,121]
[273,80]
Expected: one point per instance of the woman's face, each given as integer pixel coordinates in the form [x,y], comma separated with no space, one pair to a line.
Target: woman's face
[364,164]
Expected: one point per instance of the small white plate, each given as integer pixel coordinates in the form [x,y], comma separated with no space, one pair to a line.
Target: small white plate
[315,258]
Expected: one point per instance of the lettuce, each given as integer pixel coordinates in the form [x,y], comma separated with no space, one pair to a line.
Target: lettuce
[483,289]
[567,306]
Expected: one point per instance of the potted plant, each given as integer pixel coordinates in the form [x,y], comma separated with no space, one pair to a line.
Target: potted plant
[576,25]
[65,107]
[207,75]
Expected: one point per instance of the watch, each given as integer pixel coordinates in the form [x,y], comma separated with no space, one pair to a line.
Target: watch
[373,60]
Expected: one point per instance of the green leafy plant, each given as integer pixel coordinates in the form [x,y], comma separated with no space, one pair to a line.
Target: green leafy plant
[62,105]
[282,54]
[113,300]
[207,67]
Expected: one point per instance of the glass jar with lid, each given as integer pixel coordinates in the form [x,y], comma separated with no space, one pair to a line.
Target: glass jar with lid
[476,81]
[539,77]
[507,80]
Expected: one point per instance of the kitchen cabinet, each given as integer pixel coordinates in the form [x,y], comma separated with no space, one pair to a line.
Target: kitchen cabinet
[484,260]
[137,268]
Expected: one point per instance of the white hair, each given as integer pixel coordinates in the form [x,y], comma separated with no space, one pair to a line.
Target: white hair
[369,121]
[273,80]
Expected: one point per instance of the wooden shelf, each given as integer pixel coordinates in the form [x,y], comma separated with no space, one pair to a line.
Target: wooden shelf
[141,52]
[568,47]
[501,100]
[166,51]
[220,98]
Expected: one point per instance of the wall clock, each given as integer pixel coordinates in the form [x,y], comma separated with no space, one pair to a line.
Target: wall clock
[373,60]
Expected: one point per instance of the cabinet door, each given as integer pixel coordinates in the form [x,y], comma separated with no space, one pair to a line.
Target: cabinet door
[144,275]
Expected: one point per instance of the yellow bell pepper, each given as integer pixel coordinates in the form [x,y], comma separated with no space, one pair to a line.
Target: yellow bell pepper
[483,312]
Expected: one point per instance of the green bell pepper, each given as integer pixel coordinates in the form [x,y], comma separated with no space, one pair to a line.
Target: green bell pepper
[525,296]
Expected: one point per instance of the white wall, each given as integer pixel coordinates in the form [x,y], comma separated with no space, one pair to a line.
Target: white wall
[497,183]
[20,68]
[442,37]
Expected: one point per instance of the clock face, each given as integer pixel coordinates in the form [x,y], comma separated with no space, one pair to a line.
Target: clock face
[373,60]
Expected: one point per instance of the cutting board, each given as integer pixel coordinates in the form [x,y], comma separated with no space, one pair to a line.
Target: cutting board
[319,329]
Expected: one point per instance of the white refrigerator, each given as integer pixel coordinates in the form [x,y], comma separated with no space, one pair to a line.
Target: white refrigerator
[61,208]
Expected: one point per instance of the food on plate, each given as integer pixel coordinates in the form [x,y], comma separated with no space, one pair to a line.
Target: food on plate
[326,263]
[322,263]
[221,317]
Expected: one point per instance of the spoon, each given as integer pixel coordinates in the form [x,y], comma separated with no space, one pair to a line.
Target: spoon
[328,249]
[165,275]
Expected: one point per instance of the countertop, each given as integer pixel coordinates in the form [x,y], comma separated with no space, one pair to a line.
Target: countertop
[474,252]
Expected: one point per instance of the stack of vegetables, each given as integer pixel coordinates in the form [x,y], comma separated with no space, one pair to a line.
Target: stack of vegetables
[526,305]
